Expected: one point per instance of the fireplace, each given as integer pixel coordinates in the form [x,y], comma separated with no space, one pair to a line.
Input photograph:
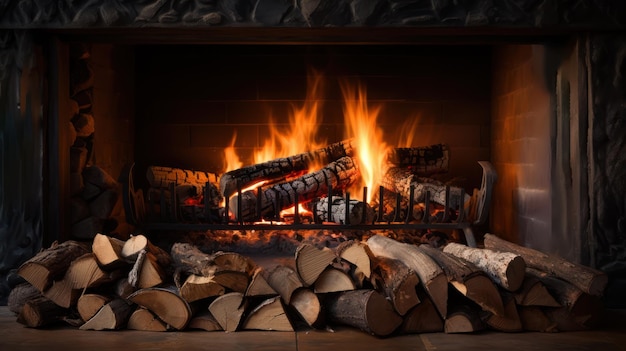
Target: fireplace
[533,101]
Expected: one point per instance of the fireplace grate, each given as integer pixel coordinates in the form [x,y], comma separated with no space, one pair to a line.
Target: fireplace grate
[169,216]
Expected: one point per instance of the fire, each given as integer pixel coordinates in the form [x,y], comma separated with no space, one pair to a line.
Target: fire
[231,159]
[301,132]
[361,125]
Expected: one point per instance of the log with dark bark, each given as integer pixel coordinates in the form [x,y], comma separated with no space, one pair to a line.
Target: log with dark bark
[279,168]
[468,279]
[162,177]
[421,160]
[166,303]
[51,263]
[534,293]
[365,309]
[269,315]
[432,277]
[397,282]
[144,320]
[228,310]
[505,268]
[357,211]
[311,262]
[41,311]
[339,174]
[21,294]
[587,279]
[114,315]
[533,318]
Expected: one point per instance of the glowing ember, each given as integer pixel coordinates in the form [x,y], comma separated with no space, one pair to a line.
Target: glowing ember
[361,125]
[291,211]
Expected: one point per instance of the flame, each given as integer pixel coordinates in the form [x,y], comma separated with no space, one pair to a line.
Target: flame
[231,159]
[361,125]
[407,132]
[300,135]
[292,211]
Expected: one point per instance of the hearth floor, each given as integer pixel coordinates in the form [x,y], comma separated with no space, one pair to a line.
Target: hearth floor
[14,336]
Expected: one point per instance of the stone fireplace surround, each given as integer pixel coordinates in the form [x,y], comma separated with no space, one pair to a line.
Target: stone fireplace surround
[556,104]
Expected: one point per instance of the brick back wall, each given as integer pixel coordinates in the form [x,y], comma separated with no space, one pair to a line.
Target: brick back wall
[521,150]
[191,99]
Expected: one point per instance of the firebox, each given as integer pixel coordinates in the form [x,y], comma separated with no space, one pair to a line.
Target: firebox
[539,103]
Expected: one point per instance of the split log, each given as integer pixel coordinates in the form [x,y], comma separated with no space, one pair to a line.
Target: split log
[580,310]
[189,259]
[285,281]
[357,211]
[232,261]
[21,294]
[114,315]
[63,293]
[89,304]
[40,312]
[421,160]
[339,174]
[463,319]
[166,303]
[84,272]
[205,321]
[358,254]
[146,272]
[269,315]
[365,309]
[308,306]
[468,279]
[509,321]
[534,319]
[133,246]
[108,251]
[144,320]
[534,293]
[400,181]
[423,318]
[283,167]
[123,288]
[228,310]
[432,277]
[311,262]
[258,285]
[232,280]
[505,268]
[197,287]
[333,280]
[51,263]
[398,283]
[587,279]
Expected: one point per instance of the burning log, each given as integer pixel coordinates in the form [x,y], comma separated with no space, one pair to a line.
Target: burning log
[357,211]
[468,279]
[585,278]
[505,268]
[161,177]
[338,174]
[400,180]
[279,168]
[365,309]
[431,276]
[422,160]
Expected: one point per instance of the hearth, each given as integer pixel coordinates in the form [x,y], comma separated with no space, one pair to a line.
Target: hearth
[533,100]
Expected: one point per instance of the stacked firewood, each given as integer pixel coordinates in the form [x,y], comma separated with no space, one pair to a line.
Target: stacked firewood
[380,286]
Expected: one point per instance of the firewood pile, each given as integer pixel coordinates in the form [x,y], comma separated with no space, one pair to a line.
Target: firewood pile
[378,285]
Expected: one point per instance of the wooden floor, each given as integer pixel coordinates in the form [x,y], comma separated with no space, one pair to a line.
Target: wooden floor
[14,336]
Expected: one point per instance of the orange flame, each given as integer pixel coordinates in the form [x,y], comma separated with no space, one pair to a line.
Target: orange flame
[361,125]
[301,132]
[231,159]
